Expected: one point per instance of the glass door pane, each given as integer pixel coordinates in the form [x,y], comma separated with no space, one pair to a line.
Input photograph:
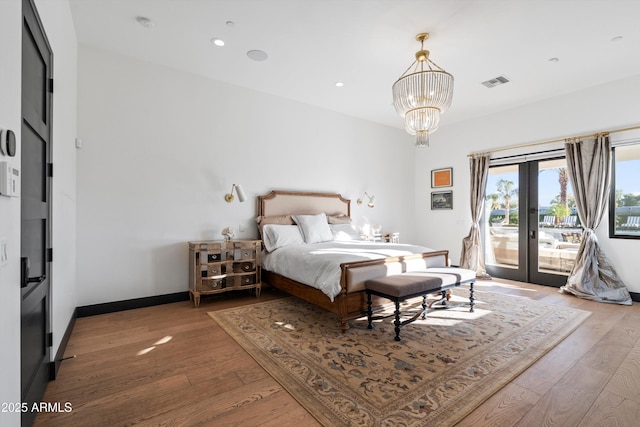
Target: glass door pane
[503,242]
[559,229]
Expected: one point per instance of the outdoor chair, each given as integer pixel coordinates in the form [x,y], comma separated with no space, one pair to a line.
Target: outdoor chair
[548,221]
[569,221]
[633,222]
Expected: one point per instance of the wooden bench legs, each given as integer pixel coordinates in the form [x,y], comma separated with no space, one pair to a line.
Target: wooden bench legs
[445,295]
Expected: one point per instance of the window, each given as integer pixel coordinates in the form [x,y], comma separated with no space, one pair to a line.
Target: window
[624,204]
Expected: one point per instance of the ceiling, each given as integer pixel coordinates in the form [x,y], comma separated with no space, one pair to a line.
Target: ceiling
[368,44]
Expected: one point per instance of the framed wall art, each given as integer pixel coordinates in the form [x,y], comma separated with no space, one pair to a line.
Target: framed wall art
[442,177]
[441,200]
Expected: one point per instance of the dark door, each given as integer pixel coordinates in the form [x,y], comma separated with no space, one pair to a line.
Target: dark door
[506,254]
[532,226]
[35,278]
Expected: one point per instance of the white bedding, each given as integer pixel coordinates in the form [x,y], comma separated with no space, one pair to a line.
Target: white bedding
[318,264]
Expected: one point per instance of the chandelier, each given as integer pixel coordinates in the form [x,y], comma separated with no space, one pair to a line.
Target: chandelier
[421,94]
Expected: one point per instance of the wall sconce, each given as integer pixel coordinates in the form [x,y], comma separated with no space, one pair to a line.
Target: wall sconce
[371,199]
[239,191]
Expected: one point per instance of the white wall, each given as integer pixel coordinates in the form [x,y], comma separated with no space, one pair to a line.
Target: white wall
[162,147]
[10,49]
[611,106]
[56,18]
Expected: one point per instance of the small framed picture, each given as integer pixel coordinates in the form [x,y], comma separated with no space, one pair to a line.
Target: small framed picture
[441,200]
[442,177]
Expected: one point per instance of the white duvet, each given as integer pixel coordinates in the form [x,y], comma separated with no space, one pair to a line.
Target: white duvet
[318,264]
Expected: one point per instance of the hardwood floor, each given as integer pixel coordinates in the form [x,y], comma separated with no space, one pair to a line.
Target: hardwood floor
[171,365]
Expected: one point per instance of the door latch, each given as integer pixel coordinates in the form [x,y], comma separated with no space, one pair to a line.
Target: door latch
[24,274]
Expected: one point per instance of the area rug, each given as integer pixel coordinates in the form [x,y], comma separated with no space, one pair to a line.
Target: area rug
[443,368]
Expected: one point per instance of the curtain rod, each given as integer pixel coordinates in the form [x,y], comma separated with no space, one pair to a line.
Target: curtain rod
[533,144]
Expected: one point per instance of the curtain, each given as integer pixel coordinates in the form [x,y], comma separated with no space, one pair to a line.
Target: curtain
[472,256]
[593,277]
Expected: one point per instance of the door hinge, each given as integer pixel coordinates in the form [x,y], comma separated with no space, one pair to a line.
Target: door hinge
[50,170]
[49,254]
[50,88]
[50,339]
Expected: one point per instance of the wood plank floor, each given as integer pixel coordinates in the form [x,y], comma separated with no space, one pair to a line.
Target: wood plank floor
[171,365]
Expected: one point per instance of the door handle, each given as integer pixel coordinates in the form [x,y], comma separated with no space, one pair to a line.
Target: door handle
[24,274]
[532,234]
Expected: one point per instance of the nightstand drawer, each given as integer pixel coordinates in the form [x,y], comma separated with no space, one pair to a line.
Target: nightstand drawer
[214,256]
[248,279]
[244,253]
[213,269]
[213,284]
[209,251]
[244,267]
[205,256]
[248,254]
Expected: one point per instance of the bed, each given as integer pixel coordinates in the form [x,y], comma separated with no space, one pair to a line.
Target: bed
[342,291]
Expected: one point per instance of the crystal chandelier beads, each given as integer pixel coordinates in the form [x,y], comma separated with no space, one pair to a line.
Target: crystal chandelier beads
[422,94]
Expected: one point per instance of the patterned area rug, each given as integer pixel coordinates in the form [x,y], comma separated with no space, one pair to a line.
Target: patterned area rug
[444,367]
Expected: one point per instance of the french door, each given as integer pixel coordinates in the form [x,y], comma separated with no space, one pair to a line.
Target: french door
[35,277]
[531,228]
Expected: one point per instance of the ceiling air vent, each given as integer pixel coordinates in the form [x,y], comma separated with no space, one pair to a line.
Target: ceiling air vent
[500,80]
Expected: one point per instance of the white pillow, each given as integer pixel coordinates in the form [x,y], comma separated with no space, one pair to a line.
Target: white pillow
[276,236]
[344,232]
[315,228]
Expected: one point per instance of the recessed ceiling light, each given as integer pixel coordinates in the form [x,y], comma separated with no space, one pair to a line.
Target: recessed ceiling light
[145,22]
[339,84]
[217,42]
[230,23]
[616,38]
[257,55]
[554,59]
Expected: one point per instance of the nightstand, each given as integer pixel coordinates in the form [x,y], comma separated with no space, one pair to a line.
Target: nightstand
[391,238]
[221,266]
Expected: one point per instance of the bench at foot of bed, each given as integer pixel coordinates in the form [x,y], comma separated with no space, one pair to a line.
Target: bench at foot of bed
[401,287]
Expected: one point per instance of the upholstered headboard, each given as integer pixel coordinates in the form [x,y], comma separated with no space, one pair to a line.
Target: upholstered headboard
[296,202]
